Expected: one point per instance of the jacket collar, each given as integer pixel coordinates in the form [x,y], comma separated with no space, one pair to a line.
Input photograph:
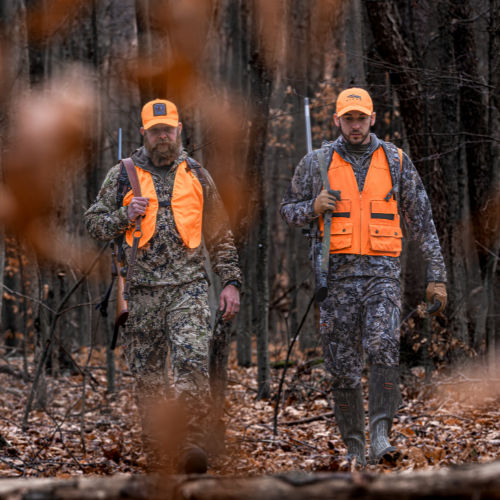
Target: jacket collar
[339,145]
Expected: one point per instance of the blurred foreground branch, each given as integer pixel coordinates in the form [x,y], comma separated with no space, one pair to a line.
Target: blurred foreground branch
[475,481]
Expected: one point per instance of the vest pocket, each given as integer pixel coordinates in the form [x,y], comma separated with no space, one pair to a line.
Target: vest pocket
[341,235]
[387,210]
[385,238]
[342,208]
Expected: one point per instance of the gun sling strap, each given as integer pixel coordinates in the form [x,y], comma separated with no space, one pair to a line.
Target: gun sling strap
[136,190]
[327,216]
[322,286]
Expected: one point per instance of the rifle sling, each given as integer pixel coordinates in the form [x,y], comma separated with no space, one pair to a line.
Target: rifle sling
[327,216]
[136,190]
[128,163]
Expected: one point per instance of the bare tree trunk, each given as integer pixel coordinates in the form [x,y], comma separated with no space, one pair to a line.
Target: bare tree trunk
[14,76]
[386,26]
[262,291]
[354,50]
[492,324]
[244,330]
[261,88]
[474,127]
[257,176]
[145,41]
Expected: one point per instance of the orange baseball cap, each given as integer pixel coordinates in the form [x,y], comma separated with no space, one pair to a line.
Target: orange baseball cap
[354,99]
[159,111]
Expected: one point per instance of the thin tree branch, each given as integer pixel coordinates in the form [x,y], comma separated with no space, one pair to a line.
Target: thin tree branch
[290,347]
[19,294]
[48,343]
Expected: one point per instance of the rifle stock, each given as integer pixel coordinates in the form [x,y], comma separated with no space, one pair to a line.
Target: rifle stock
[121,303]
[322,273]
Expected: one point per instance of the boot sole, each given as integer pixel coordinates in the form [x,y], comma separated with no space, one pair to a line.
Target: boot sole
[194,462]
[389,455]
[360,462]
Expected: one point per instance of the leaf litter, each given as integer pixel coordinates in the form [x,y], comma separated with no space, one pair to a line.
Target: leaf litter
[448,420]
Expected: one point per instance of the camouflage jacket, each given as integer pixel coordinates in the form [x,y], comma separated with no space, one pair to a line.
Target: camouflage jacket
[165,260]
[414,208]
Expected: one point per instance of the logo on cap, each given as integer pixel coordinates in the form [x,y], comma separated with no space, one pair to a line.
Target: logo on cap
[354,96]
[159,109]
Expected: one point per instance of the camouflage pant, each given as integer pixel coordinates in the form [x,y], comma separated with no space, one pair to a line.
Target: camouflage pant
[175,321]
[360,317]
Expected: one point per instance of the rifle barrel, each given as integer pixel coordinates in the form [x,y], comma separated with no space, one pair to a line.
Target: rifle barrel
[308,124]
[119,144]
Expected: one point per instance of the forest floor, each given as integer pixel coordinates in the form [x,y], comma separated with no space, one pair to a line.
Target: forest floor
[450,419]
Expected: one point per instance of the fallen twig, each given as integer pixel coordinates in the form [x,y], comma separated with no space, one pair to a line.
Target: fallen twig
[309,419]
[236,382]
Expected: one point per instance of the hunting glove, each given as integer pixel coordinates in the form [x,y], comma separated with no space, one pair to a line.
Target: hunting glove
[437,291]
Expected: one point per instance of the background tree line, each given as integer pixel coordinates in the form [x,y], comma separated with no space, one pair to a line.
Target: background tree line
[239,72]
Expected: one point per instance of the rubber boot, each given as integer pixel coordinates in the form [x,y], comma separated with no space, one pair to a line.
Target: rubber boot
[193,457]
[384,399]
[350,416]
[193,460]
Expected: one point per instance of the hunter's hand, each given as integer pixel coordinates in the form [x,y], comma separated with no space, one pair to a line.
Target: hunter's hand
[136,207]
[437,291]
[325,201]
[230,299]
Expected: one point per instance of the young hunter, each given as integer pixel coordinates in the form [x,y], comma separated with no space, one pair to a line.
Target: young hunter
[380,194]
[168,298]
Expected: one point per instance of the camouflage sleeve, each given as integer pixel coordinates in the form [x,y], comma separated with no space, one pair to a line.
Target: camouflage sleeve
[417,215]
[103,219]
[218,237]
[297,205]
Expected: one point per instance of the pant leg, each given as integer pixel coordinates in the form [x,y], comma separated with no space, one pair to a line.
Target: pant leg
[146,348]
[188,323]
[189,331]
[382,305]
[381,318]
[145,342]
[340,329]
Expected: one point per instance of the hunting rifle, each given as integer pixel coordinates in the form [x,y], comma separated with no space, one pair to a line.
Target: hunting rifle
[124,272]
[120,270]
[321,274]
[118,273]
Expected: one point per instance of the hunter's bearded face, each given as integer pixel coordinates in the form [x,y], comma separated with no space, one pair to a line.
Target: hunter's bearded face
[163,144]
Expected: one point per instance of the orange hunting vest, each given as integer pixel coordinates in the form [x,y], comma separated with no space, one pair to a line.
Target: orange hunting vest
[364,223]
[186,203]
